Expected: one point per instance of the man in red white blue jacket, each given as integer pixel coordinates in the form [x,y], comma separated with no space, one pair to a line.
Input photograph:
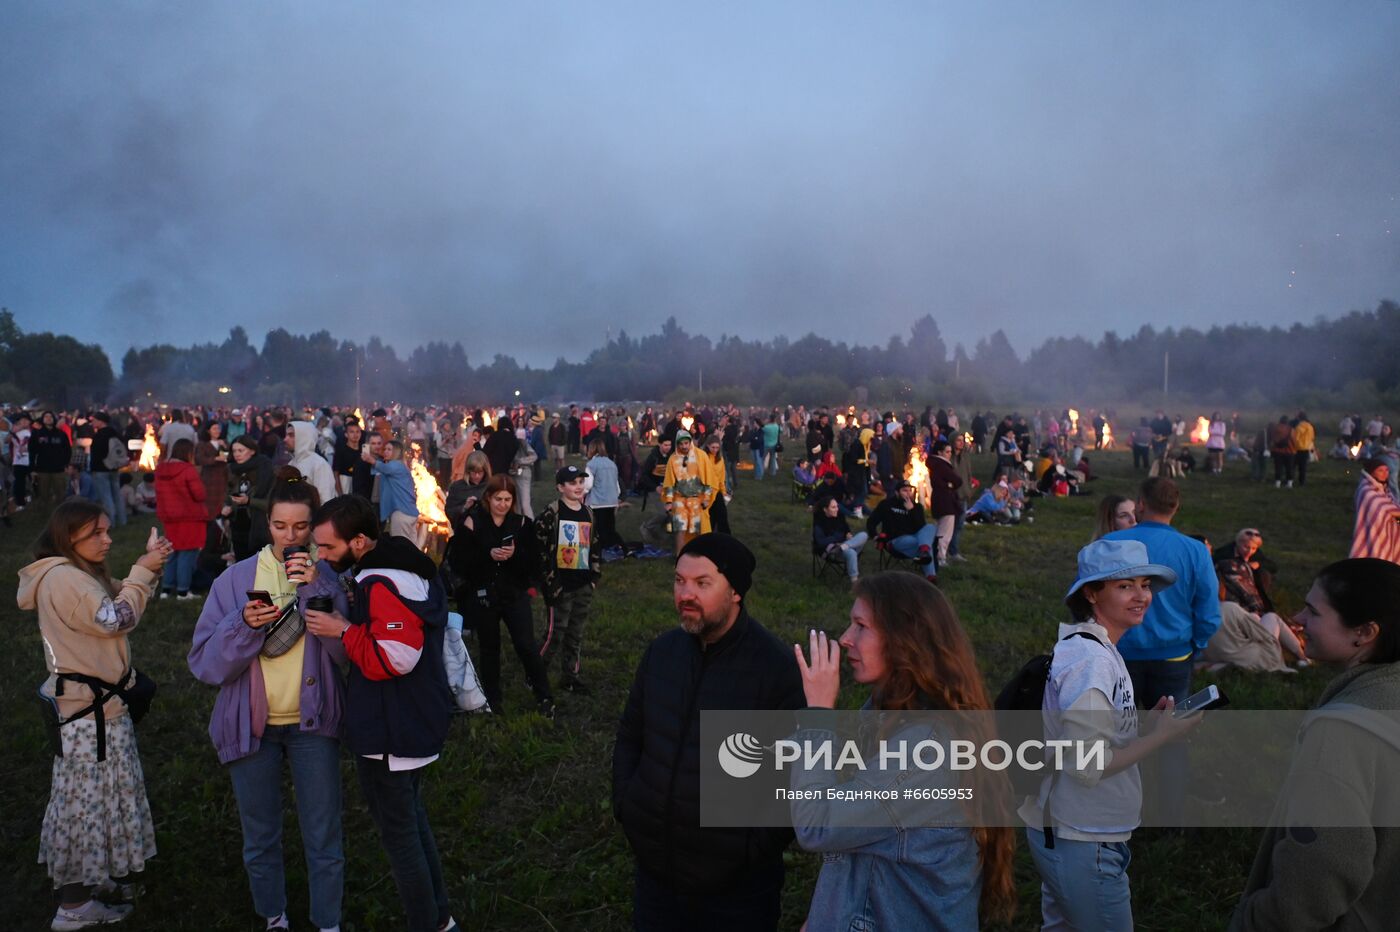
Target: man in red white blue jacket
[397,702]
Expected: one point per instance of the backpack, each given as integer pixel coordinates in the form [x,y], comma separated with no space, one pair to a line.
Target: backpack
[117,456]
[1023,693]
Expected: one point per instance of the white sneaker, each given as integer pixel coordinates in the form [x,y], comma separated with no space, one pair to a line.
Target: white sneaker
[279,922]
[186,597]
[91,913]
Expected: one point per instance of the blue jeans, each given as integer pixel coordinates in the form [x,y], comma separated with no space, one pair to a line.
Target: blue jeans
[757,463]
[107,487]
[770,455]
[851,551]
[395,802]
[1164,780]
[179,570]
[909,545]
[257,786]
[731,474]
[1083,884]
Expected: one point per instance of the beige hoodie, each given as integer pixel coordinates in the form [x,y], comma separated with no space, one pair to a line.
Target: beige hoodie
[68,601]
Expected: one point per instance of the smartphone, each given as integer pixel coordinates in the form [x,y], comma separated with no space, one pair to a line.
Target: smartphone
[259,595]
[507,540]
[1209,698]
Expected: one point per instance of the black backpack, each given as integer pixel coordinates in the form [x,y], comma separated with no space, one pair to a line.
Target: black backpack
[1023,693]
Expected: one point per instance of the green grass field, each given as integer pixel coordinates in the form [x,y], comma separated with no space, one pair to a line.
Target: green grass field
[520,805]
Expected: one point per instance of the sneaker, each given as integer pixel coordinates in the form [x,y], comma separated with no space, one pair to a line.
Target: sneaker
[114,893]
[1303,664]
[91,913]
[546,708]
[925,556]
[279,922]
[449,926]
[185,597]
[957,558]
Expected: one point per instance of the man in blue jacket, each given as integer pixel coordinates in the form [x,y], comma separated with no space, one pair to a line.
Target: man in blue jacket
[1178,624]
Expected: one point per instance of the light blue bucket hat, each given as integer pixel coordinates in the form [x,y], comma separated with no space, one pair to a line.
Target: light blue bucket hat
[1119,559]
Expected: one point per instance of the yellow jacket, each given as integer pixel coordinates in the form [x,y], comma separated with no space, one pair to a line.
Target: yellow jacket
[1304,436]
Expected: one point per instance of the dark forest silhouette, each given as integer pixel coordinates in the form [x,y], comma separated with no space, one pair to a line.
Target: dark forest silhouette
[1350,360]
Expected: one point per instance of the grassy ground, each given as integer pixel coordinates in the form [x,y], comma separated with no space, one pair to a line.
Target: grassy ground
[520,805]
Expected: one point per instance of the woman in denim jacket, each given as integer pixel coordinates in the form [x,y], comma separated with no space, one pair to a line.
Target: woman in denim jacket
[895,870]
[280,699]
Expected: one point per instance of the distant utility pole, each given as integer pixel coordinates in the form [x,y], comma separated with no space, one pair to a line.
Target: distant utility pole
[702,381]
[1166,369]
[357,380]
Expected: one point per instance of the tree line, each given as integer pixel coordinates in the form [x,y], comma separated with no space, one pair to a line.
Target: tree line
[1346,361]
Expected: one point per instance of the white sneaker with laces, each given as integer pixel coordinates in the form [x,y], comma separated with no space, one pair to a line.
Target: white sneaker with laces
[91,913]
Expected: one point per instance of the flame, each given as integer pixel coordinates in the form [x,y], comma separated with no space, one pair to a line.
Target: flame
[1107,436]
[150,451]
[430,497]
[1073,420]
[687,421]
[967,438]
[916,471]
[359,417]
[1201,432]
[486,419]
[1355,450]
[840,420]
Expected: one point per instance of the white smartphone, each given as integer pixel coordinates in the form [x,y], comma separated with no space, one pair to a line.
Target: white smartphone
[1209,698]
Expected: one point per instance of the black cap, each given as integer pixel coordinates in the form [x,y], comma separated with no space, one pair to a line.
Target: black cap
[569,474]
[735,561]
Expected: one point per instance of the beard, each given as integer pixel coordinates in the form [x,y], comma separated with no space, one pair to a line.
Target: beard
[702,625]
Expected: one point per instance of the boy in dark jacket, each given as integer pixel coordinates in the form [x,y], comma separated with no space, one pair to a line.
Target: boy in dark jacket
[719,658]
[397,702]
[570,567]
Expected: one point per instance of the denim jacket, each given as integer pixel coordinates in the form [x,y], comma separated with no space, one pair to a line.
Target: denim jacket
[893,872]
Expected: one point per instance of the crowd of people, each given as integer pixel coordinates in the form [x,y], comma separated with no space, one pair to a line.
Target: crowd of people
[324,627]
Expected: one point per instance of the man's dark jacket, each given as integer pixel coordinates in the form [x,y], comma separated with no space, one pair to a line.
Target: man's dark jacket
[656,762]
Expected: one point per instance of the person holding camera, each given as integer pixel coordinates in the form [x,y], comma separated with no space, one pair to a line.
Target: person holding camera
[97,830]
[280,699]
[493,552]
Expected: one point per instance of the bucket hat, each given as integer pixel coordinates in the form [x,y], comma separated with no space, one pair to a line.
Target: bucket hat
[1119,559]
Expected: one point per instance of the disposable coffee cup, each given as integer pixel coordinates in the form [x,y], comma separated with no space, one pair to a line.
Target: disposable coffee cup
[320,603]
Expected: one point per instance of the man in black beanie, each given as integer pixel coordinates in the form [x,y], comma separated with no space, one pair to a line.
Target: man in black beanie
[689,877]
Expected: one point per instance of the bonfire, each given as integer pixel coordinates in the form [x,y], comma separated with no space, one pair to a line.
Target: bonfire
[1201,432]
[150,451]
[433,527]
[916,471]
[1107,436]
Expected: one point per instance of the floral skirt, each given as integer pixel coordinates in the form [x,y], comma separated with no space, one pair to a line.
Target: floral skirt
[98,823]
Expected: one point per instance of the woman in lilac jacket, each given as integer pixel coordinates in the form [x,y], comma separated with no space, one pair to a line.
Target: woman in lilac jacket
[280,697]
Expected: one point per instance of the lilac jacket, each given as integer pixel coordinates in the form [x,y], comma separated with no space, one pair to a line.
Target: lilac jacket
[225,650]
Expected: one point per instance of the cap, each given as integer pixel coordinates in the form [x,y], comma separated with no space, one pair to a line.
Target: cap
[569,474]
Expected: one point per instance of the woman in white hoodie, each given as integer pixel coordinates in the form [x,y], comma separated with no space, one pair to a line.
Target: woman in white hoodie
[312,466]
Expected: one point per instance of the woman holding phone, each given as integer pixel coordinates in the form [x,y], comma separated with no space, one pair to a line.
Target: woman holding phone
[280,698]
[906,643]
[493,552]
[97,832]
[1079,823]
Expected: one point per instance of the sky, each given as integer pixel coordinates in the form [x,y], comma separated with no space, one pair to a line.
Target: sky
[527,178]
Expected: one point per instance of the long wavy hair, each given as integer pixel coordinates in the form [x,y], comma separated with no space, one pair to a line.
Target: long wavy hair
[929,664]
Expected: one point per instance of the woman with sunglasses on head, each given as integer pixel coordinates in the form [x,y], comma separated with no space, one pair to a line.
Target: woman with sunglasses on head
[280,698]
[97,830]
[894,870]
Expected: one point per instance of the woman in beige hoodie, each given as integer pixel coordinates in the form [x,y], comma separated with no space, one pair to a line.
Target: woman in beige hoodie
[97,829]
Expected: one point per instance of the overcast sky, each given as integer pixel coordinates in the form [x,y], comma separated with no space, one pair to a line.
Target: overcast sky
[523,177]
